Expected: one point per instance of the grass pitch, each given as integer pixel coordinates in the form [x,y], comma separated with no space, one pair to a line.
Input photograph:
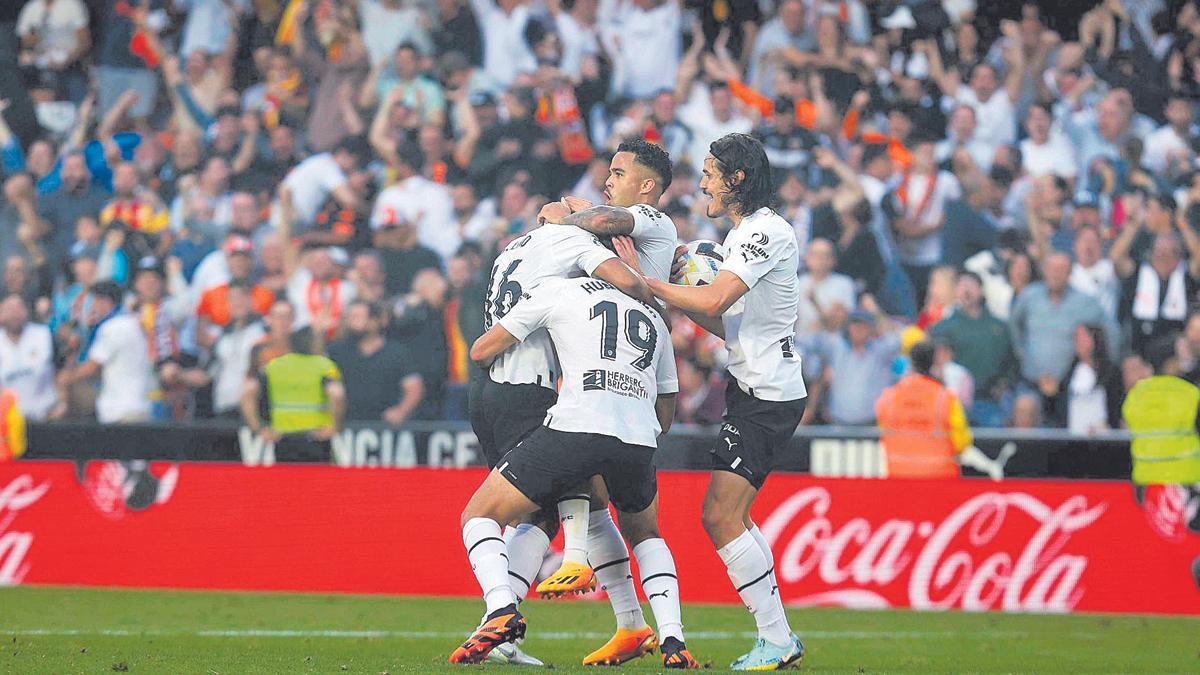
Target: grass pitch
[71,630]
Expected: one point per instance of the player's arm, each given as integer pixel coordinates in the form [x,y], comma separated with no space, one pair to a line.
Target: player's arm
[625,279]
[531,313]
[603,220]
[492,344]
[709,301]
[664,408]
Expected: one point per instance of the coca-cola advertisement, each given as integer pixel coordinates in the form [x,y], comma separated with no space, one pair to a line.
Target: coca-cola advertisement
[1017,546]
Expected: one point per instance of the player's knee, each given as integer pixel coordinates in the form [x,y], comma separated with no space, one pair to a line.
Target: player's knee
[720,519]
[638,528]
[546,521]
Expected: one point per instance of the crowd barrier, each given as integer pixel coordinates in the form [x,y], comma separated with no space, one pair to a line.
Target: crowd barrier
[822,451]
[1019,545]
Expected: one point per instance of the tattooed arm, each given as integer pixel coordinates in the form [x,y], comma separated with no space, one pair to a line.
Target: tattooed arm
[605,221]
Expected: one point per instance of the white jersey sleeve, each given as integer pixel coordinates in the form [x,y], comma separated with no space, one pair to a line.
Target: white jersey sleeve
[654,236]
[665,370]
[579,249]
[757,252]
[531,313]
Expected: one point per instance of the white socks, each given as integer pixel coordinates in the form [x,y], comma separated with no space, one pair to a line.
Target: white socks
[766,549]
[573,514]
[657,569]
[527,546]
[610,561]
[489,561]
[752,575]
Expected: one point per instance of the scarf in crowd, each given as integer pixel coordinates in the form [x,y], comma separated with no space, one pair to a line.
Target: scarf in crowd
[1148,291]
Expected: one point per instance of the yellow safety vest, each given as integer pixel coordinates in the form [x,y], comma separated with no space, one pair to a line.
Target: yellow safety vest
[1161,414]
[296,392]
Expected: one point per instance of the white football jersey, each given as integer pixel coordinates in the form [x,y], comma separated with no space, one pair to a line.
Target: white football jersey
[549,252]
[654,236]
[27,367]
[760,329]
[615,353]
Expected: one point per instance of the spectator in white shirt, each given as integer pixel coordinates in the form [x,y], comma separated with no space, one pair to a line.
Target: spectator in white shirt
[1045,151]
[118,353]
[416,199]
[963,133]
[787,30]
[645,45]
[26,359]
[231,353]
[995,106]
[506,54]
[313,181]
[1174,139]
[1093,273]
[710,113]
[387,24]
[826,297]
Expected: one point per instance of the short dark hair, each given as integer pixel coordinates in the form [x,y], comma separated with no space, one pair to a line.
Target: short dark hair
[355,145]
[651,156]
[410,155]
[968,274]
[921,356]
[374,310]
[743,152]
[303,341]
[109,290]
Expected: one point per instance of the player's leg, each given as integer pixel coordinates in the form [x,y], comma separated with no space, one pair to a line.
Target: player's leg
[502,415]
[573,575]
[660,581]
[497,500]
[741,460]
[610,559]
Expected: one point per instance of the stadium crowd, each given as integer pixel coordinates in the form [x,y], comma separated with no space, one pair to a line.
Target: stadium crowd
[188,182]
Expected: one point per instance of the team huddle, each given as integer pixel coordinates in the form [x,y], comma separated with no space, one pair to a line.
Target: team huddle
[581,381]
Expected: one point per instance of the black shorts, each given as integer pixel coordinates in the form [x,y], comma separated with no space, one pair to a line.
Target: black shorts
[549,464]
[503,414]
[753,430]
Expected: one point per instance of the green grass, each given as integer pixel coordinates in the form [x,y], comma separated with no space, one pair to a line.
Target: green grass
[71,630]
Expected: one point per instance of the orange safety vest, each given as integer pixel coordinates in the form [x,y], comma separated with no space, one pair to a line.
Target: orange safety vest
[914,418]
[12,427]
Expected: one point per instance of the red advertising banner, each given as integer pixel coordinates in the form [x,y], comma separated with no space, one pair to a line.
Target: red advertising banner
[1043,546]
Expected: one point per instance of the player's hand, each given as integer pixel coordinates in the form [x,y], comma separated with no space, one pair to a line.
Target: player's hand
[679,263]
[269,435]
[627,253]
[553,213]
[577,204]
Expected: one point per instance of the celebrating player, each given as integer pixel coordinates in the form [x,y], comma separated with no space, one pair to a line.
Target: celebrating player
[511,400]
[638,175]
[752,304]
[617,395]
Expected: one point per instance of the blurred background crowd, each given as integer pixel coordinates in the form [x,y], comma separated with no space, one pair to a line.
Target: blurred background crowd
[188,183]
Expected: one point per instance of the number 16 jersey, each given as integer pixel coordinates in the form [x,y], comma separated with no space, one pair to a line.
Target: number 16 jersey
[549,252]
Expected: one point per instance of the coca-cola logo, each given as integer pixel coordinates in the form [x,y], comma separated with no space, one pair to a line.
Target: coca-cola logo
[1168,510]
[19,494]
[994,551]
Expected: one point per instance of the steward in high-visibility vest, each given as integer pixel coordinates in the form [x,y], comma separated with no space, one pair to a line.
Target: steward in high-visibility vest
[305,398]
[922,424]
[12,426]
[1161,413]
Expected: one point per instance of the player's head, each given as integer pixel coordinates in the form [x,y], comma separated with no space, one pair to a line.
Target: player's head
[639,173]
[922,356]
[737,176]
